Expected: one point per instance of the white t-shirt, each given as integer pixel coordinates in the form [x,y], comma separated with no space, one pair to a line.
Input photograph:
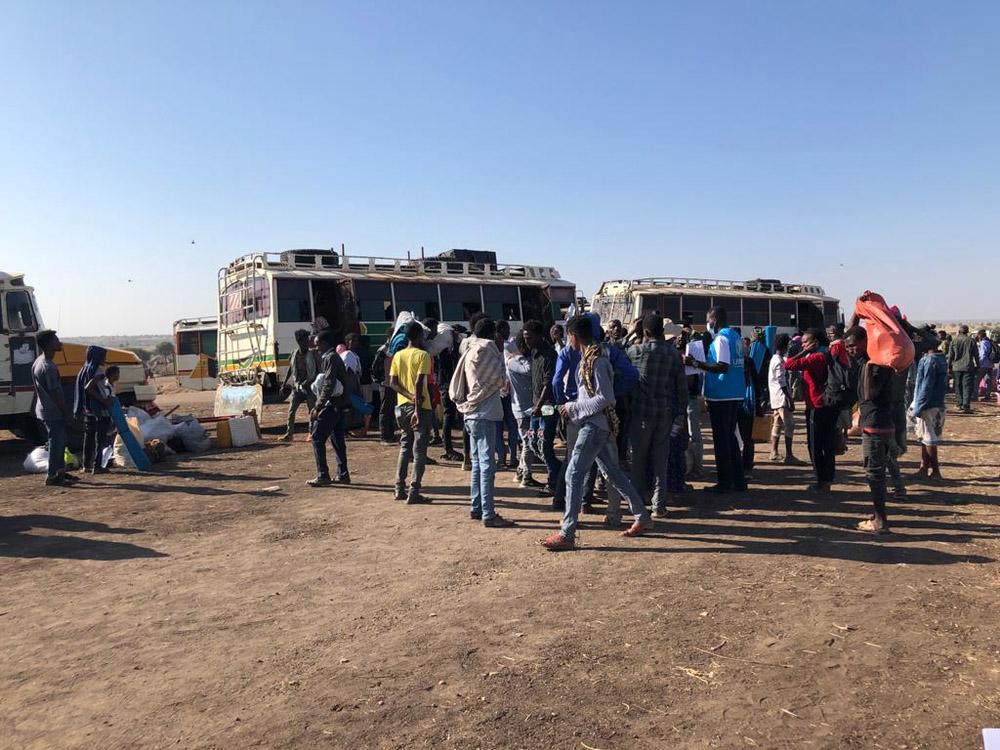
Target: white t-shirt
[777,382]
[696,349]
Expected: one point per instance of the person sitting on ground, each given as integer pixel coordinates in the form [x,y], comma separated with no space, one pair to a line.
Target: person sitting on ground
[329,415]
[303,367]
[928,409]
[477,387]
[408,375]
[593,412]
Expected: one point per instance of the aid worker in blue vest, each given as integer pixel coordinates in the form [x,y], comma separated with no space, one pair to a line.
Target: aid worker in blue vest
[725,388]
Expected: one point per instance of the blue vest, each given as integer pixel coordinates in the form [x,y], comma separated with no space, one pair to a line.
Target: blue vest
[731,384]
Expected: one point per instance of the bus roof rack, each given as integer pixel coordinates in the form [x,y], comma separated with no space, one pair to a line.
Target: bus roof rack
[330,260]
[754,285]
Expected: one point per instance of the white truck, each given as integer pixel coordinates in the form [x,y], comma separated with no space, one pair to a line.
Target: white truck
[20,322]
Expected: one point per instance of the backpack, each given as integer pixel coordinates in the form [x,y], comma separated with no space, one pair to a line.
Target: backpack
[838,391]
[993,354]
[625,375]
[378,364]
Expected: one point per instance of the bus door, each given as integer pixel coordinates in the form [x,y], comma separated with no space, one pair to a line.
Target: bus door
[19,326]
[809,314]
[333,301]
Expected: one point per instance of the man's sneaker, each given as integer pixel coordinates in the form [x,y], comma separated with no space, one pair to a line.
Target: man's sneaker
[436,441]
[638,529]
[498,522]
[346,479]
[415,498]
[546,491]
[55,482]
[399,494]
[453,456]
[793,461]
[476,515]
[531,483]
[819,488]
[557,542]
[320,482]
[287,437]
[466,464]
[661,511]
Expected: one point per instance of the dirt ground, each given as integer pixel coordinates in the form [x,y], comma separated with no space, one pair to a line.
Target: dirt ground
[188,608]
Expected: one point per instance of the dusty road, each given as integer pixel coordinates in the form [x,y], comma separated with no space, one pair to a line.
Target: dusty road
[187,608]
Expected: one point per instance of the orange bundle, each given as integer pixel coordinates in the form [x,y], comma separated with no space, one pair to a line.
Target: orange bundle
[888,344]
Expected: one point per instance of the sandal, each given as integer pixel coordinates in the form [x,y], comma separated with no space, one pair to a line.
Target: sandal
[638,529]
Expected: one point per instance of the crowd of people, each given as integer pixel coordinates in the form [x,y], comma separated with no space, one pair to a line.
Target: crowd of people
[577,411]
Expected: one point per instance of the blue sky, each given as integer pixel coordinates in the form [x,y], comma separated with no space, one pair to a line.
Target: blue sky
[851,144]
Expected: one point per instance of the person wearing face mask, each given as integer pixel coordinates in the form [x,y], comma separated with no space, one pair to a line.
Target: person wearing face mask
[725,390]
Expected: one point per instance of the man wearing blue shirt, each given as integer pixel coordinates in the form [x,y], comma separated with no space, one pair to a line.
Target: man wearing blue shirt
[725,389]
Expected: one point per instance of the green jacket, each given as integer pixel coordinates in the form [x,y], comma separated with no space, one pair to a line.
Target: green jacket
[963,354]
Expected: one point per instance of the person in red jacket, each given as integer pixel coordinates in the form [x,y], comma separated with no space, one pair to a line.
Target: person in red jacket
[821,420]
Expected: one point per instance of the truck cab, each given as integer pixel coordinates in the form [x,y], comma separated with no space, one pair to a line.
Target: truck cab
[20,322]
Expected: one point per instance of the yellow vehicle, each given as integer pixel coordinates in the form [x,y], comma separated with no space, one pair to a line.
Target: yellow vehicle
[20,322]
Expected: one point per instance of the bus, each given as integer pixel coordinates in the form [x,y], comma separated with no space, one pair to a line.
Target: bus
[265,297]
[196,365]
[750,304]
[20,324]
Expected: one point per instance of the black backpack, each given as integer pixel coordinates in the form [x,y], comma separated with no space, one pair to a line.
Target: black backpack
[993,353]
[378,364]
[841,389]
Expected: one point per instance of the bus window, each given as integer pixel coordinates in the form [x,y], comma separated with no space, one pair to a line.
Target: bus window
[461,301]
[831,313]
[697,307]
[20,316]
[533,303]
[374,301]
[670,307]
[783,313]
[562,297]
[209,343]
[756,312]
[261,298]
[419,299]
[501,302]
[189,342]
[293,301]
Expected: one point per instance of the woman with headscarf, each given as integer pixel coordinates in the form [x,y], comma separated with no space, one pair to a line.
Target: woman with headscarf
[92,405]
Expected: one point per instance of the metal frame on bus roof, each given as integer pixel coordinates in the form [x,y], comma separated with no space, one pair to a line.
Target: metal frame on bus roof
[767,288]
[313,262]
[206,321]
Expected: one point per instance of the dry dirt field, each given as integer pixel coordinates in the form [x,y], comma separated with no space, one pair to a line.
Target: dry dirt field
[187,608]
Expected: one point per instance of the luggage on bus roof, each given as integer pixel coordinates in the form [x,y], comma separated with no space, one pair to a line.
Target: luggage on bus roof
[326,258]
[486,257]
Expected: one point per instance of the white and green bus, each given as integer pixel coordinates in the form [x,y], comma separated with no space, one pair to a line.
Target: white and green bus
[265,297]
[750,304]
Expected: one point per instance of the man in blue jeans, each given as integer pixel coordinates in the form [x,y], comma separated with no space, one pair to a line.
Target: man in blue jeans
[543,369]
[477,386]
[329,416]
[51,408]
[593,413]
